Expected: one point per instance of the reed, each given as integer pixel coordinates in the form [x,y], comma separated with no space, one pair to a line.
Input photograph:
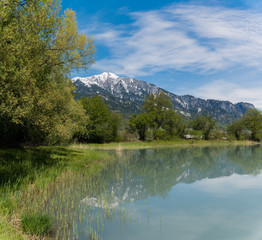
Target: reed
[45,180]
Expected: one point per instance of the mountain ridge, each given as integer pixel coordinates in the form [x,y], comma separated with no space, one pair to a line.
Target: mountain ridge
[126,95]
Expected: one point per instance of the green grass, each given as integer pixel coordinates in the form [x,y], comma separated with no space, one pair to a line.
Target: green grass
[36,224]
[159,144]
[29,178]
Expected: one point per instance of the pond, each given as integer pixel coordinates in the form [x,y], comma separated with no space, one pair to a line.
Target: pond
[174,193]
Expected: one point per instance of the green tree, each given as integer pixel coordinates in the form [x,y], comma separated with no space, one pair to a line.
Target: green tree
[236,128]
[174,124]
[102,125]
[204,124]
[38,47]
[139,123]
[159,116]
[115,122]
[162,118]
[253,121]
[158,107]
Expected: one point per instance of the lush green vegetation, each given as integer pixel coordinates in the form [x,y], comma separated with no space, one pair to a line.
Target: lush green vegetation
[102,125]
[38,46]
[159,117]
[36,224]
[248,127]
[31,179]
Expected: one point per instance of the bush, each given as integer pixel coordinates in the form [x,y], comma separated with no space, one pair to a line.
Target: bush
[36,224]
[160,134]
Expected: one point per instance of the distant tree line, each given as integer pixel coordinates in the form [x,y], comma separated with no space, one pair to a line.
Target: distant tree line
[159,121]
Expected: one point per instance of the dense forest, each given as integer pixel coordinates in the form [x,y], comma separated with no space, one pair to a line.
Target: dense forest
[39,46]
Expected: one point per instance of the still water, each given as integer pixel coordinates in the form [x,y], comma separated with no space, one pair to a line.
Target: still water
[179,193]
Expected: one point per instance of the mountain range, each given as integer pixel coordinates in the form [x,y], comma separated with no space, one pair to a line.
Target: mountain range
[127,95]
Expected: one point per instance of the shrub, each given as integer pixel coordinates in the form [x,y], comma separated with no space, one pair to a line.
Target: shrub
[36,224]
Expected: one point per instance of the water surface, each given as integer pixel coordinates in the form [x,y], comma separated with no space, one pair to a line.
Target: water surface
[177,193]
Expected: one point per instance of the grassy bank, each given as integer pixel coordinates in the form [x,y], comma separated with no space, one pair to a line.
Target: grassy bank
[160,144]
[30,177]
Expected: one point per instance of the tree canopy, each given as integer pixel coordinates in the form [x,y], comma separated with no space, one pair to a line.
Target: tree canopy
[38,47]
[158,116]
[204,124]
[249,126]
[102,125]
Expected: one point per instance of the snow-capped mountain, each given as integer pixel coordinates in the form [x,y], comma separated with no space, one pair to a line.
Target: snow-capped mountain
[118,86]
[126,95]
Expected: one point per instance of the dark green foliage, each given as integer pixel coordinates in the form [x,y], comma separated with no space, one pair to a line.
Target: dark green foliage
[248,127]
[236,129]
[253,121]
[36,224]
[160,117]
[163,119]
[174,124]
[115,120]
[138,123]
[102,125]
[204,124]
[158,108]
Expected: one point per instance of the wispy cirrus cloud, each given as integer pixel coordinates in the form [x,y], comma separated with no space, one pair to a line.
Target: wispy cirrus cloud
[182,37]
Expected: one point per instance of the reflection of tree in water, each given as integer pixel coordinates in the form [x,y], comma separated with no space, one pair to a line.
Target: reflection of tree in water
[140,174]
[249,158]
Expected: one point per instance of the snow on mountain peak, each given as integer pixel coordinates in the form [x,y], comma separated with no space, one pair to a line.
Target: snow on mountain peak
[105,75]
[109,74]
[97,79]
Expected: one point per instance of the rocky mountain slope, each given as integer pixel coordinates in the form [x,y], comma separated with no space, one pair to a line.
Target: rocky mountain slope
[126,95]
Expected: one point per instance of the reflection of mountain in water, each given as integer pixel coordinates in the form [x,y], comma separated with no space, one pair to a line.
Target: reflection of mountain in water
[140,174]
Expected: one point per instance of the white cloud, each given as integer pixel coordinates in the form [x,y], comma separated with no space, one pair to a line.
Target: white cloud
[234,92]
[183,37]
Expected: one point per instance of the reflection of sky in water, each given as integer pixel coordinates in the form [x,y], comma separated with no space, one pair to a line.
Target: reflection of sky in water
[222,208]
[230,184]
[188,194]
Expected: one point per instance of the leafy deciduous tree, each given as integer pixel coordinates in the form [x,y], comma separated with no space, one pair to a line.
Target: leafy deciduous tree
[205,124]
[139,123]
[38,47]
[160,116]
[102,125]
[253,121]
[236,129]
[158,106]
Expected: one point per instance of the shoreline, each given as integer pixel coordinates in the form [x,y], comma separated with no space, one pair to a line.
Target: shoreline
[160,144]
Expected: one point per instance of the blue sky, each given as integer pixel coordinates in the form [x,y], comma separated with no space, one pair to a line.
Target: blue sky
[210,49]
